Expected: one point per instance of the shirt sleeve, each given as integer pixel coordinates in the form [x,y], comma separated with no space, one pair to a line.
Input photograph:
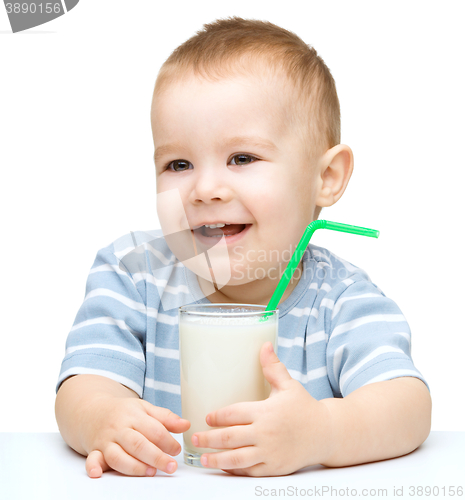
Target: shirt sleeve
[109,331]
[369,340]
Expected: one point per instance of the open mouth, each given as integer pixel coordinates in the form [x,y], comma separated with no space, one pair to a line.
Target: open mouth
[228,230]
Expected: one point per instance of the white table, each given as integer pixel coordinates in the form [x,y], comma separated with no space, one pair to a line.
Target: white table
[35,466]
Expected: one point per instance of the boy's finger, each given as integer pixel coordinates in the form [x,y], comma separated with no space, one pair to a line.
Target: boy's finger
[274,371]
[177,425]
[122,462]
[96,464]
[236,436]
[142,449]
[155,432]
[242,458]
[236,414]
[173,422]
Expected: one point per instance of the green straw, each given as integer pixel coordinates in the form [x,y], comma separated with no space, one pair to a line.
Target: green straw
[299,251]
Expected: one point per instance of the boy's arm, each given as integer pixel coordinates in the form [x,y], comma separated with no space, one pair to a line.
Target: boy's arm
[378,421]
[108,423]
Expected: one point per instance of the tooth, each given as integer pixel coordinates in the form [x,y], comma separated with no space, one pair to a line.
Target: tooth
[220,224]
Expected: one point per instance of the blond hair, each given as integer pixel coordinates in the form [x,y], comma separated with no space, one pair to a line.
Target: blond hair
[228,46]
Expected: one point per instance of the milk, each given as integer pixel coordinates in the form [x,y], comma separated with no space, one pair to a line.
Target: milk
[220,365]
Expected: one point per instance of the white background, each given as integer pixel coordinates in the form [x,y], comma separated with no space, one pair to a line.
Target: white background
[77,170]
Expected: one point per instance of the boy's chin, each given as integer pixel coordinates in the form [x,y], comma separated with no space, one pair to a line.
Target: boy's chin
[241,278]
[235,275]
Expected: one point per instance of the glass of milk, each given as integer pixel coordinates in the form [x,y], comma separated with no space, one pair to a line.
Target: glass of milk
[219,351]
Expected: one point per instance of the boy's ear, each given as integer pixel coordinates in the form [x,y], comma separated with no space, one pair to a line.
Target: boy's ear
[337,165]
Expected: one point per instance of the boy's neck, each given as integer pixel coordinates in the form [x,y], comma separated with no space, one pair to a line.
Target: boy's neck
[255,292]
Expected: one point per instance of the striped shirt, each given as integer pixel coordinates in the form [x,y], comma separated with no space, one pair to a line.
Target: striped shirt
[337,330]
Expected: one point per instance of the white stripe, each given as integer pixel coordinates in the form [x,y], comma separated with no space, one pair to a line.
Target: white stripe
[161,257]
[120,254]
[299,311]
[393,374]
[137,306]
[348,265]
[81,370]
[327,303]
[324,286]
[374,318]
[105,320]
[163,386]
[403,334]
[168,320]
[377,352]
[299,341]
[106,268]
[306,311]
[346,299]
[159,283]
[141,249]
[175,290]
[161,352]
[136,277]
[110,347]
[311,375]
[283,342]
[162,285]
[406,336]
[316,337]
[105,292]
[337,359]
[348,282]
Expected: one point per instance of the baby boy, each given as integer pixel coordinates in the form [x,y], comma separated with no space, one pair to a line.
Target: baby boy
[246,127]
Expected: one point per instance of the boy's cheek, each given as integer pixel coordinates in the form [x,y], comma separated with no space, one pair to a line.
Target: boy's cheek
[171,213]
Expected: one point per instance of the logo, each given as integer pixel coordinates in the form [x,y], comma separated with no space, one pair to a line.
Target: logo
[30,13]
[211,263]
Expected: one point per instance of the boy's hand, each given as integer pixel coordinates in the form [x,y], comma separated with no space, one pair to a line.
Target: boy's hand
[284,433]
[131,436]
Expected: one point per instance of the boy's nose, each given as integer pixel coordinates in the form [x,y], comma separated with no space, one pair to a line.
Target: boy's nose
[210,187]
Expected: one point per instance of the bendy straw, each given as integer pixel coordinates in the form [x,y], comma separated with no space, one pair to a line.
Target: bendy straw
[299,251]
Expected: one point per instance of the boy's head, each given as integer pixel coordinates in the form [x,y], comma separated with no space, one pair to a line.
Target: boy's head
[246,126]
[233,47]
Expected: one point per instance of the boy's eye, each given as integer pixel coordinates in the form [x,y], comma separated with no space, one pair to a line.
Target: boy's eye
[242,159]
[179,165]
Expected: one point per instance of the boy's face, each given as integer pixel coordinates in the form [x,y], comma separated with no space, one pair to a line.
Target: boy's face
[228,148]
